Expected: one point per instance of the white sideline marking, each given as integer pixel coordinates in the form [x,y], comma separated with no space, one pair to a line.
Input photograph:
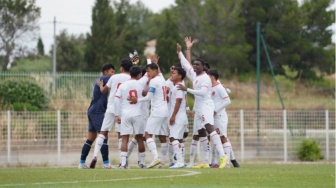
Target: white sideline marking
[189,173]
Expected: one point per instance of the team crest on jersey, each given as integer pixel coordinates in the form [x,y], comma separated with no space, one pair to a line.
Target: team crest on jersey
[213,93]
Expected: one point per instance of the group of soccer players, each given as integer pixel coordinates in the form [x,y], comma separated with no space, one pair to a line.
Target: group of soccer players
[133,91]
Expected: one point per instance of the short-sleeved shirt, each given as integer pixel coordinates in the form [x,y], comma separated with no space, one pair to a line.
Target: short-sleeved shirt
[218,95]
[200,82]
[159,105]
[175,93]
[99,100]
[114,82]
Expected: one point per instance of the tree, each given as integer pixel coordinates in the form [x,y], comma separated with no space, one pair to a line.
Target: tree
[70,52]
[17,19]
[100,43]
[40,47]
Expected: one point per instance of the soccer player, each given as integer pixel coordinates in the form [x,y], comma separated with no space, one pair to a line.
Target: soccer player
[96,113]
[222,100]
[157,123]
[178,115]
[129,114]
[203,106]
[109,118]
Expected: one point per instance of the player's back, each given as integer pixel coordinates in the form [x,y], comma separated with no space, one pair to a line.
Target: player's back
[130,88]
[159,101]
[114,82]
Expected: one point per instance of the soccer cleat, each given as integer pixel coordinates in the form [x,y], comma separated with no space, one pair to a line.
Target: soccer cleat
[178,165]
[201,165]
[228,165]
[108,166]
[171,164]
[161,165]
[154,163]
[93,162]
[82,166]
[222,161]
[123,167]
[235,163]
[214,165]
[142,166]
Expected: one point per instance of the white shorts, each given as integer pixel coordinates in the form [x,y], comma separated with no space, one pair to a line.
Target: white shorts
[157,125]
[202,118]
[186,123]
[176,131]
[221,122]
[132,125]
[108,122]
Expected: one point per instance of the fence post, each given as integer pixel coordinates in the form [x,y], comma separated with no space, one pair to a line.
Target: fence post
[285,134]
[242,135]
[58,137]
[327,133]
[8,137]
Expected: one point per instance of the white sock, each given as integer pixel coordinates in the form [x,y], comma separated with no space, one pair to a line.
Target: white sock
[205,152]
[171,153]
[123,158]
[193,148]
[119,147]
[217,142]
[177,151]
[227,149]
[142,157]
[183,152]
[99,142]
[164,150]
[152,147]
[232,157]
[131,145]
[213,154]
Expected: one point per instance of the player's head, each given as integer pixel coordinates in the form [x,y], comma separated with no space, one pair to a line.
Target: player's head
[206,66]
[135,72]
[198,65]
[108,69]
[213,74]
[173,67]
[125,65]
[152,70]
[144,71]
[178,75]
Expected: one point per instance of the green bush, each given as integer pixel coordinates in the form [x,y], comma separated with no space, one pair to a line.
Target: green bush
[310,151]
[20,106]
[22,94]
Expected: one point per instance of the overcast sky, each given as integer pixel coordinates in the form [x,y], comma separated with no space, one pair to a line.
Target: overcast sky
[75,16]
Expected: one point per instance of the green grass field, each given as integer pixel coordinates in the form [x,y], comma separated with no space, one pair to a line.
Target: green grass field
[304,175]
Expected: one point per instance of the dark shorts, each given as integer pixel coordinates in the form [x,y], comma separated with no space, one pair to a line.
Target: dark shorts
[95,122]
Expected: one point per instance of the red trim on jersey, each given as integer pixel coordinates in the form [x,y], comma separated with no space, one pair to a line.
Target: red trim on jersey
[215,85]
[179,98]
[204,140]
[214,135]
[205,86]
[118,97]
[226,97]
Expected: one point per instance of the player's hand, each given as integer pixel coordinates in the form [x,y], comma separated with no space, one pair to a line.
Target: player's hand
[100,83]
[178,48]
[189,43]
[133,99]
[172,120]
[181,87]
[117,119]
[190,114]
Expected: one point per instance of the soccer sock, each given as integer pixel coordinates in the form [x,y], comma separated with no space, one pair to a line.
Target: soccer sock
[123,157]
[152,147]
[205,149]
[171,153]
[177,151]
[142,157]
[131,145]
[85,150]
[183,152]
[217,142]
[227,149]
[232,157]
[98,145]
[213,154]
[119,148]
[193,148]
[105,152]
[164,150]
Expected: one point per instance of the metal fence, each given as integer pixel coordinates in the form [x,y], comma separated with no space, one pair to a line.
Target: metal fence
[56,137]
[68,85]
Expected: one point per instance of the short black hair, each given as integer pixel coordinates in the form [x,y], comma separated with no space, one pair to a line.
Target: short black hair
[135,71]
[143,71]
[177,65]
[201,60]
[207,65]
[126,64]
[153,66]
[107,66]
[181,72]
[213,72]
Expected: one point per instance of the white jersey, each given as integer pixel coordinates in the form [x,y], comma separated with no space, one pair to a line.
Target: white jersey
[130,88]
[220,97]
[159,105]
[144,105]
[175,93]
[113,84]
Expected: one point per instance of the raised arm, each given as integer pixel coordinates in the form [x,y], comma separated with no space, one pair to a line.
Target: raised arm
[189,43]
[186,64]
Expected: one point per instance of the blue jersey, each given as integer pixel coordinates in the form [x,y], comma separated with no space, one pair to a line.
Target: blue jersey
[98,103]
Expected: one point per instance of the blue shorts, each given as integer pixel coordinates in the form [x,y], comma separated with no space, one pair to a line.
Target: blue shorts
[95,122]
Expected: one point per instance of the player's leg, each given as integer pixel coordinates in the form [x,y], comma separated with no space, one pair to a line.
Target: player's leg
[204,146]
[141,151]
[86,149]
[175,134]
[123,151]
[163,149]
[152,127]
